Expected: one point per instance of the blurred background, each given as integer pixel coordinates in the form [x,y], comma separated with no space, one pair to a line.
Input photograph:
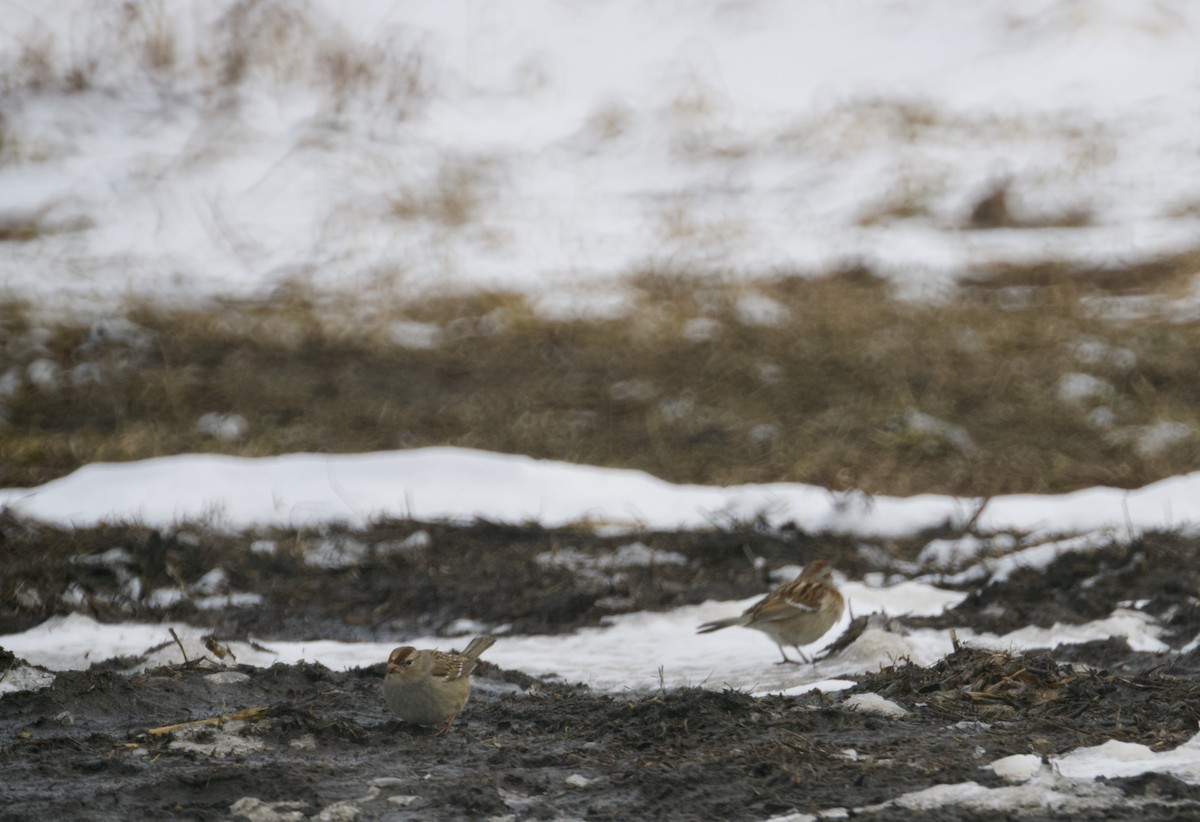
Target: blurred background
[893,246]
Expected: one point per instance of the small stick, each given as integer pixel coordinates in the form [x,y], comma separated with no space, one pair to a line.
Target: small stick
[969,525]
[248,714]
[180,644]
[954,639]
[12,665]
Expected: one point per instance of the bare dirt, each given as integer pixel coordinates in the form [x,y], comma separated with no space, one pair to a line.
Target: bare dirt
[302,741]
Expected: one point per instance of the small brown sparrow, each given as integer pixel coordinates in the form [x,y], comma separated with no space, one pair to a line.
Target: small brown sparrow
[794,614]
[430,687]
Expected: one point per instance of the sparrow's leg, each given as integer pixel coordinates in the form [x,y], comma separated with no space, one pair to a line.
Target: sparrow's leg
[442,730]
[787,661]
[804,656]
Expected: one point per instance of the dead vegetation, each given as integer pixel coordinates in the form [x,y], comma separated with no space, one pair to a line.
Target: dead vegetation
[994,209]
[147,42]
[451,198]
[980,684]
[1170,275]
[830,381]
[22,226]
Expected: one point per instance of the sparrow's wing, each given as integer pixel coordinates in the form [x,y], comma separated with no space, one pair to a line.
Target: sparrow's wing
[451,666]
[801,596]
[777,608]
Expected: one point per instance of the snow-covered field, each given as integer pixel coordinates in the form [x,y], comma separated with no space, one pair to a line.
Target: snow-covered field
[217,149]
[198,149]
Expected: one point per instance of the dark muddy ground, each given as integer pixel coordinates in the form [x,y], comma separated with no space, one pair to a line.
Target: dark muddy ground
[322,746]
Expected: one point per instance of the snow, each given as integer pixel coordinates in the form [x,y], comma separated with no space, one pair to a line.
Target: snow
[1138,629]
[1033,557]
[25,678]
[1067,785]
[75,641]
[638,651]
[1016,768]
[1118,759]
[458,484]
[1080,388]
[1040,795]
[626,652]
[870,703]
[553,148]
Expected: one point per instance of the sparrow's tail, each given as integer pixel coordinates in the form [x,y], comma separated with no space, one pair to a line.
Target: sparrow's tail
[478,645]
[718,624]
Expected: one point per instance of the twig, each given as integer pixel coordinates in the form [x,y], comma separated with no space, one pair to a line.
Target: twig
[248,714]
[12,665]
[180,644]
[969,525]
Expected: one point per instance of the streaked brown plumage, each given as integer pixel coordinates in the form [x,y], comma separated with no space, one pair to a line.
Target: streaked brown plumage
[427,687]
[795,614]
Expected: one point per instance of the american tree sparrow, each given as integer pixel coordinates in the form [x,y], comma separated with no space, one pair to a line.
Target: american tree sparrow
[794,614]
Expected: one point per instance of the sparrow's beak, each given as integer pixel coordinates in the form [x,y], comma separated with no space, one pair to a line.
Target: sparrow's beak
[392,667]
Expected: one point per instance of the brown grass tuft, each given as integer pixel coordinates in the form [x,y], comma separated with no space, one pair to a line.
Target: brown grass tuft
[452,198]
[1169,274]
[994,210]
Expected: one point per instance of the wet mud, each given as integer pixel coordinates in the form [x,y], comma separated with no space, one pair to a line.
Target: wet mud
[302,741]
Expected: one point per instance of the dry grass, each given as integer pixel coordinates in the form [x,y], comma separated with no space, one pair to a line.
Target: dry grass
[25,226]
[271,40]
[910,201]
[829,381]
[20,228]
[452,198]
[1170,275]
[994,210]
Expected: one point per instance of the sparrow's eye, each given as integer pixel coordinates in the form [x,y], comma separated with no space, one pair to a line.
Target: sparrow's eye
[407,662]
